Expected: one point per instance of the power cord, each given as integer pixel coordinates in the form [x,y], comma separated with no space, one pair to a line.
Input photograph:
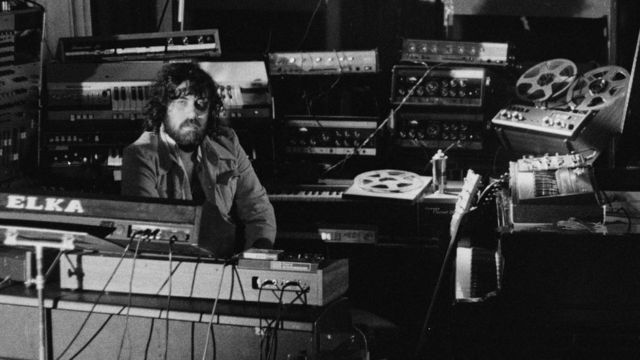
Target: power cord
[125,332]
[213,312]
[261,317]
[172,239]
[164,12]
[309,23]
[95,303]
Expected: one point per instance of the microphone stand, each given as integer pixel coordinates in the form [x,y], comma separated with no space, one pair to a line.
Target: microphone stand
[64,241]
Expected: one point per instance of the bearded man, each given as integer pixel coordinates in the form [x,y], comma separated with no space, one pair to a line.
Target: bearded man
[186,152]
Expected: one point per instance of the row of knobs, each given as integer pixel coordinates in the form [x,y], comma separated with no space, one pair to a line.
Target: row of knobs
[225,92]
[73,139]
[546,120]
[451,88]
[511,115]
[447,49]
[318,59]
[115,116]
[77,158]
[186,40]
[114,157]
[337,138]
[443,132]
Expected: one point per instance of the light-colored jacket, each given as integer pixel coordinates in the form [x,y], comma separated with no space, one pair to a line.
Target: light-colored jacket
[151,168]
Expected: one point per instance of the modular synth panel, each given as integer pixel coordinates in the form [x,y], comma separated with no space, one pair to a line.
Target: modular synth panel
[20,68]
[93,112]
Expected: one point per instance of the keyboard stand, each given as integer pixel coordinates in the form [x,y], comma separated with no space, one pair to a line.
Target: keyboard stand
[39,239]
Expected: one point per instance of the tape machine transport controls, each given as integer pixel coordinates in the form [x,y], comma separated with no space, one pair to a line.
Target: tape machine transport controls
[562,111]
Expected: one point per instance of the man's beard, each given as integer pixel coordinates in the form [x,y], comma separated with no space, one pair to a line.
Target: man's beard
[189,134]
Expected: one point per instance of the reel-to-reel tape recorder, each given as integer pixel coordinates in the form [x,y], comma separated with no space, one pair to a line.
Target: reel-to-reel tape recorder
[562,111]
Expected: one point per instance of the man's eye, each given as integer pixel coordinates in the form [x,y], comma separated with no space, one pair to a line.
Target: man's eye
[181,102]
[202,104]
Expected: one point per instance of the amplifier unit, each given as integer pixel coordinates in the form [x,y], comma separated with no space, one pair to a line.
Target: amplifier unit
[473,53]
[435,86]
[203,43]
[438,130]
[323,62]
[329,135]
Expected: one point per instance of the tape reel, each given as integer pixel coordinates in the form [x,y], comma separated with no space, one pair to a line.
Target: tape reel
[598,88]
[389,181]
[546,80]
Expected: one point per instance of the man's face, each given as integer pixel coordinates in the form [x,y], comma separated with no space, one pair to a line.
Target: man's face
[187,117]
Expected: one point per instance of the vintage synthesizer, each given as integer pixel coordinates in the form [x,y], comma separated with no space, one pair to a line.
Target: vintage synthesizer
[203,43]
[93,112]
[18,134]
[119,91]
[324,62]
[456,52]
[313,214]
[158,224]
[307,193]
[286,281]
[20,83]
[96,92]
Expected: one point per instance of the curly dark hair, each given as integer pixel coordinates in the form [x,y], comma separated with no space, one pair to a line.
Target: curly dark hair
[166,90]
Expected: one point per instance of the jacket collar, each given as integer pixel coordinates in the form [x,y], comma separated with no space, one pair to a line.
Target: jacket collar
[219,149]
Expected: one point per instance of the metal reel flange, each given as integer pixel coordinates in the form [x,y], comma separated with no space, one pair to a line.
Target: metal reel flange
[546,80]
[389,181]
[598,88]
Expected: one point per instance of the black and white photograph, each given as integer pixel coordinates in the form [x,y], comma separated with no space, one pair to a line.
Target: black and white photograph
[319,179]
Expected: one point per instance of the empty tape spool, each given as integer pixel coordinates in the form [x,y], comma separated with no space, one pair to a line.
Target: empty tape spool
[546,80]
[598,88]
[389,181]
